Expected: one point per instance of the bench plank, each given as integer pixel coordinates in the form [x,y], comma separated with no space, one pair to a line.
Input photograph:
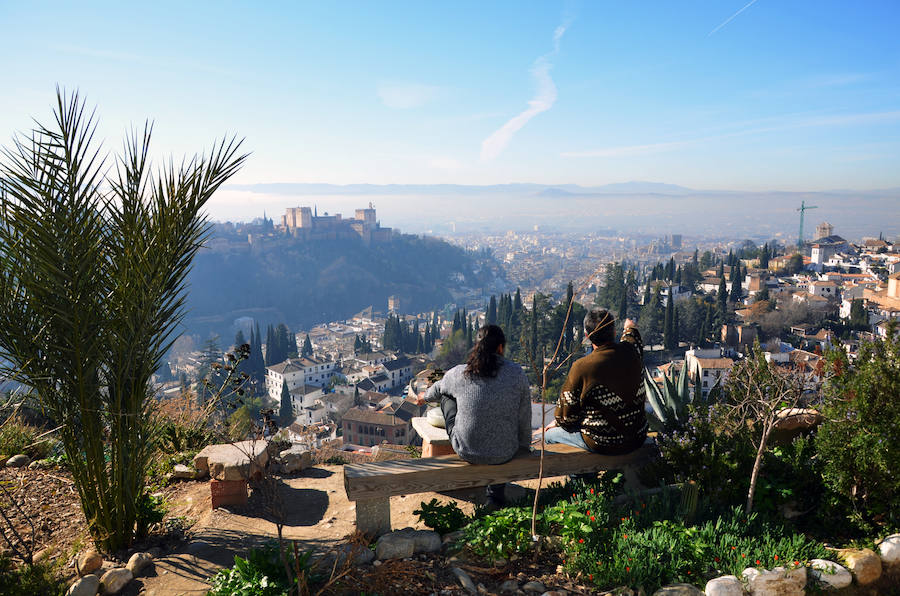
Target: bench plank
[406,477]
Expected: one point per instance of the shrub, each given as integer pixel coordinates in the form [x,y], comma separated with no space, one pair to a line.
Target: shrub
[18,437]
[500,534]
[40,578]
[443,519]
[260,574]
[857,441]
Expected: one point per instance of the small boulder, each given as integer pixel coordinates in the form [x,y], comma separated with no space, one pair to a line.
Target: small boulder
[114,580]
[88,562]
[775,582]
[890,550]
[798,418]
[464,580]
[510,586]
[864,564]
[829,574]
[394,546]
[727,585]
[183,472]
[18,461]
[138,562]
[678,590]
[295,459]
[534,587]
[88,585]
[40,464]
[355,553]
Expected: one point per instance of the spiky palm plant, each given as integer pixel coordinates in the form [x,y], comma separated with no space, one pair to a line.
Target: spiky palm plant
[669,404]
[93,261]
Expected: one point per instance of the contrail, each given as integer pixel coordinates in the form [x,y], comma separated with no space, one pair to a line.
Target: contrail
[732,17]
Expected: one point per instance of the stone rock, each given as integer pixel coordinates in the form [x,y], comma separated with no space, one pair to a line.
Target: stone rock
[40,464]
[727,585]
[295,459]
[775,582]
[394,546]
[890,550]
[830,574]
[555,593]
[183,472]
[138,562]
[864,564]
[435,417]
[798,418]
[464,580]
[395,543]
[534,587]
[18,461]
[233,461]
[510,586]
[88,585]
[678,590]
[114,580]
[88,561]
[358,555]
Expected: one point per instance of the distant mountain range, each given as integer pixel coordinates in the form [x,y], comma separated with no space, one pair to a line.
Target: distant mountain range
[635,187]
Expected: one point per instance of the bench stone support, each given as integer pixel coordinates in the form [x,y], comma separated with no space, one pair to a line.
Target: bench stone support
[373,516]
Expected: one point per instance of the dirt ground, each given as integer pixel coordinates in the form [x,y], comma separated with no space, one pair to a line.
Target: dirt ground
[319,516]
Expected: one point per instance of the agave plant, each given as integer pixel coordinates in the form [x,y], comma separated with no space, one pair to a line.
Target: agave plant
[669,403]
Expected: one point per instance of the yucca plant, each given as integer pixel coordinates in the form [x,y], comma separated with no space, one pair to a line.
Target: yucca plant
[94,254]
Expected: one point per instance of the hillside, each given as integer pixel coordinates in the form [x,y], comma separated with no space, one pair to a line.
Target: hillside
[304,283]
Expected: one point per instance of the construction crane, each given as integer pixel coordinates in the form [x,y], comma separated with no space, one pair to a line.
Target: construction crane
[803,209]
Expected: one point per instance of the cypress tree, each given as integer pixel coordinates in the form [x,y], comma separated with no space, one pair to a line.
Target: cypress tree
[534,327]
[357,344]
[257,364]
[286,412]
[492,311]
[676,332]
[735,284]
[646,299]
[307,347]
[517,304]
[764,257]
[668,323]
[239,339]
[722,298]
[721,270]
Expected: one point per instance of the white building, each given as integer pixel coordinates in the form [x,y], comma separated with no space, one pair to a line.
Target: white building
[708,366]
[298,372]
[823,289]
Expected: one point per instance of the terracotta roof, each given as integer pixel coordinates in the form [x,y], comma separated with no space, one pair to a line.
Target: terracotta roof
[371,417]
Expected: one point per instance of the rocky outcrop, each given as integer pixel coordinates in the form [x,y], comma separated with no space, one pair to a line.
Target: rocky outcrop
[864,564]
[727,585]
[88,561]
[114,580]
[829,574]
[775,582]
[88,585]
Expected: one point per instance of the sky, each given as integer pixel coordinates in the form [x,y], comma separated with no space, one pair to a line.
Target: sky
[720,94]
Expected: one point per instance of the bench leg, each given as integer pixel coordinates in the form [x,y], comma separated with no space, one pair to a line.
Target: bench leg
[373,516]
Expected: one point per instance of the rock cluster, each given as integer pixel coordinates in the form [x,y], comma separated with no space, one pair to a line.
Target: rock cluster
[89,565]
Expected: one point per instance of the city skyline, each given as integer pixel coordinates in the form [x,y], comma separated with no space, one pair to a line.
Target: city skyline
[743,96]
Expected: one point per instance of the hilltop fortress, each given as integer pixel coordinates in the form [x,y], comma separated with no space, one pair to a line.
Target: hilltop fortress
[305,223]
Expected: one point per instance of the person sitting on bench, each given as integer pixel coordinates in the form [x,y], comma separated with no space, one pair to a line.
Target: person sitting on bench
[486,404]
[601,405]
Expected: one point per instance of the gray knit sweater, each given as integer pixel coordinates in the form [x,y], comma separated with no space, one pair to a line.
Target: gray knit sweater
[493,418]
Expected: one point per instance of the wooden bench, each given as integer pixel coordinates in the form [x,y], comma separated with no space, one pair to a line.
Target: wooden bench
[371,485]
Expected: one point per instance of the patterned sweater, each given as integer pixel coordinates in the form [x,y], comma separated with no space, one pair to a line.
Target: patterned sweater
[603,397]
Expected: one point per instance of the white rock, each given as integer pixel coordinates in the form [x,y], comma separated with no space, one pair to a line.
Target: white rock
[295,459]
[85,586]
[88,562]
[727,585]
[356,554]
[890,550]
[184,472]
[138,562]
[114,580]
[775,582]
[864,564]
[830,574]
[18,461]
[678,590]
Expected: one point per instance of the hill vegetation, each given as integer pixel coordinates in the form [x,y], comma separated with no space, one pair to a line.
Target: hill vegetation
[305,283]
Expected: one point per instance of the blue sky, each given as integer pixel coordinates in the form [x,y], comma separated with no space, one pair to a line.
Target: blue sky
[798,95]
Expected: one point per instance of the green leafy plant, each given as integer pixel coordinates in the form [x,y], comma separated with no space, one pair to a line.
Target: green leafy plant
[857,440]
[39,578]
[18,437]
[93,263]
[443,519]
[263,573]
[669,404]
[500,534]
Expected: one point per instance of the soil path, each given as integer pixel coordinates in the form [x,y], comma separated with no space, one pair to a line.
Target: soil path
[318,514]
